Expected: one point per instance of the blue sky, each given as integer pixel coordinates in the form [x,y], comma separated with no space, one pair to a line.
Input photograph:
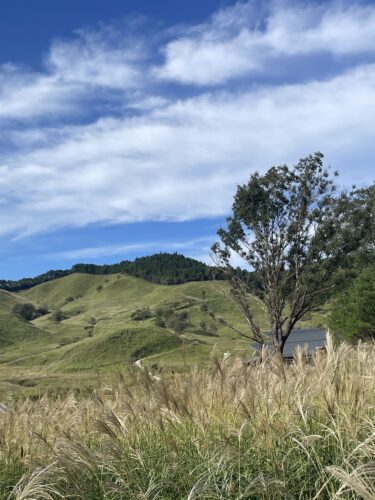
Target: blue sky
[126,126]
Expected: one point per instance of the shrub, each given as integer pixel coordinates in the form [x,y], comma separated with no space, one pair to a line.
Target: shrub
[57,316]
[141,314]
[29,311]
[213,330]
[159,318]
[178,321]
[43,309]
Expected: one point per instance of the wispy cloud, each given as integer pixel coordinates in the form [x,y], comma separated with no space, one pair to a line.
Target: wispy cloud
[102,58]
[194,247]
[107,133]
[252,37]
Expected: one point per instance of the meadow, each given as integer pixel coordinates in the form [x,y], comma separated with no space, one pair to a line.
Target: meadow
[100,404]
[97,331]
[267,431]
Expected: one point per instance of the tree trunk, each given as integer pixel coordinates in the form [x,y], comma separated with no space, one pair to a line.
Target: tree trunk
[278,340]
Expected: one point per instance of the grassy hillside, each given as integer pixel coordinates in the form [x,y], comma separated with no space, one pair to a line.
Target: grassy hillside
[14,330]
[97,331]
[62,354]
[164,268]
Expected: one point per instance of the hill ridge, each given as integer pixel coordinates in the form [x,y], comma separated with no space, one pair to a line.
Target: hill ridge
[162,268]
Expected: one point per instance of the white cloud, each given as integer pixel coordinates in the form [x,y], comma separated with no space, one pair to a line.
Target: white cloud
[94,60]
[182,161]
[162,157]
[205,62]
[25,95]
[76,72]
[191,247]
[239,41]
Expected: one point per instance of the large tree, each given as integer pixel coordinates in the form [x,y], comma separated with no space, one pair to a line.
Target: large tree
[293,228]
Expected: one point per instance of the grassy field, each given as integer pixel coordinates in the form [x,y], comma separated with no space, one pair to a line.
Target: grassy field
[55,357]
[45,355]
[229,431]
[103,406]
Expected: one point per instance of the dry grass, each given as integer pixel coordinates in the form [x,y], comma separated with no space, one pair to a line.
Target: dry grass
[304,430]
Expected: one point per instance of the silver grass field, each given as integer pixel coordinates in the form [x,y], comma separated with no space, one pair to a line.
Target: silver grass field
[267,431]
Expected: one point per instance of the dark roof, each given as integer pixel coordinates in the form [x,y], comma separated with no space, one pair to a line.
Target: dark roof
[309,339]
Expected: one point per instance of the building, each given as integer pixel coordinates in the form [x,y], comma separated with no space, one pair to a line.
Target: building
[309,339]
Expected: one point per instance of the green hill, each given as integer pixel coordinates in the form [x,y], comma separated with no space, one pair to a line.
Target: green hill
[92,326]
[14,330]
[97,330]
[165,268]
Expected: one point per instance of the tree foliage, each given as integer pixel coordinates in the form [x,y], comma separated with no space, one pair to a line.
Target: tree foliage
[57,316]
[353,312]
[169,318]
[29,311]
[299,235]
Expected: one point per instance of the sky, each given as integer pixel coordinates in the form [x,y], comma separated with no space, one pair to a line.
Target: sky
[125,126]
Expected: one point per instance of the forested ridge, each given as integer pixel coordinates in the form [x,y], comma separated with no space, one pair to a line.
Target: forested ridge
[163,268]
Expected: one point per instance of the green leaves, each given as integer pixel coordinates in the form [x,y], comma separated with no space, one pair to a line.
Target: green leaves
[299,234]
[353,312]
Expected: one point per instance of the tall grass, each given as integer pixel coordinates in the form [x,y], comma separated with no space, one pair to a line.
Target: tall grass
[304,430]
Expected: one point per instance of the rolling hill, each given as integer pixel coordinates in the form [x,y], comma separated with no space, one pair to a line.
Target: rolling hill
[164,268]
[93,325]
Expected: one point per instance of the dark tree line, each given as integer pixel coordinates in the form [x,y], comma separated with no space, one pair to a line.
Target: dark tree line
[24,283]
[163,268]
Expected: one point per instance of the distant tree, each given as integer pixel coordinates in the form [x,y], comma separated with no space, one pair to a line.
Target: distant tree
[204,307]
[141,314]
[203,326]
[298,235]
[57,316]
[353,311]
[90,330]
[99,288]
[178,322]
[159,318]
[30,312]
[213,330]
[92,321]
[26,311]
